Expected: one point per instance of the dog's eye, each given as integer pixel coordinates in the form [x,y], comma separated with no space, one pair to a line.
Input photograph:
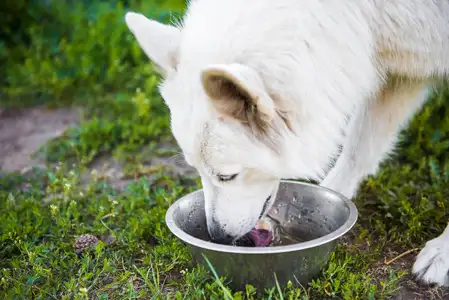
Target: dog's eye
[227,177]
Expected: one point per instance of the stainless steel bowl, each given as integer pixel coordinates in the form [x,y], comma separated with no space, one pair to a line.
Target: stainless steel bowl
[313,214]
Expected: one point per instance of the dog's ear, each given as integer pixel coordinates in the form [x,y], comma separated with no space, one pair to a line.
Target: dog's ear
[239,92]
[160,42]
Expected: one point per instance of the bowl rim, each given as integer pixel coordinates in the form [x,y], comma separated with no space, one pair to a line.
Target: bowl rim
[193,241]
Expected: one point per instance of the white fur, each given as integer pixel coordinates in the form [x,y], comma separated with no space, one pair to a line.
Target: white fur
[316,63]
[432,263]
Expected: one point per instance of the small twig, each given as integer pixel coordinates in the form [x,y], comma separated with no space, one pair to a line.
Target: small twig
[401,255]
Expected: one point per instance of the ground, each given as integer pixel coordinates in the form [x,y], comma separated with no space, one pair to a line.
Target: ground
[86,148]
[24,131]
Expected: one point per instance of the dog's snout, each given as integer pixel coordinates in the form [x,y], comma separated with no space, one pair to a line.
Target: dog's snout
[219,236]
[223,240]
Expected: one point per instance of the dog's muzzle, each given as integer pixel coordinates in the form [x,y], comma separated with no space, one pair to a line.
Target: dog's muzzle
[219,236]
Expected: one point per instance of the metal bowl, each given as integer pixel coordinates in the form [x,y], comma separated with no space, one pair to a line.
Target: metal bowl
[315,215]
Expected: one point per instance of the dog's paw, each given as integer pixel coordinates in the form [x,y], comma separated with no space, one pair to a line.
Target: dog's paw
[432,263]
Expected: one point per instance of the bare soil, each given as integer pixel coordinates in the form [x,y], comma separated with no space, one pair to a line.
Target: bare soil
[23,131]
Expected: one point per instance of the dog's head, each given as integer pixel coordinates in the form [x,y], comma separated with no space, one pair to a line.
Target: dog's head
[230,127]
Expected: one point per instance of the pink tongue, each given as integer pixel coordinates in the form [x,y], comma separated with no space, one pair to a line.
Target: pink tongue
[261,237]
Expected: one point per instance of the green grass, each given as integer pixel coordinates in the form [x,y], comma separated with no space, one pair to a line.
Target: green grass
[85,56]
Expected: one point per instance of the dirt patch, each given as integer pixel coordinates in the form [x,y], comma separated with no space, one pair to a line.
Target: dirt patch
[113,170]
[23,131]
[409,287]
[393,261]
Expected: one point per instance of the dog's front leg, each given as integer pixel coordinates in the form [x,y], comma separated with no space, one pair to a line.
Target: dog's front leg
[372,133]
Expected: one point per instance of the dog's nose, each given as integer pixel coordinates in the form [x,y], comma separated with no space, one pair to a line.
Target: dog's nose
[219,236]
[223,240]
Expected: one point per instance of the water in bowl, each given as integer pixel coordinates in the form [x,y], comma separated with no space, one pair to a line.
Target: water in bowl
[283,238]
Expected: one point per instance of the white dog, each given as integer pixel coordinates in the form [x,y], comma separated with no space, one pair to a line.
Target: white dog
[260,90]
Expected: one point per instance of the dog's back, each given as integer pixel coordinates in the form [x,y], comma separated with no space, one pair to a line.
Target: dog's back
[260,31]
[293,44]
